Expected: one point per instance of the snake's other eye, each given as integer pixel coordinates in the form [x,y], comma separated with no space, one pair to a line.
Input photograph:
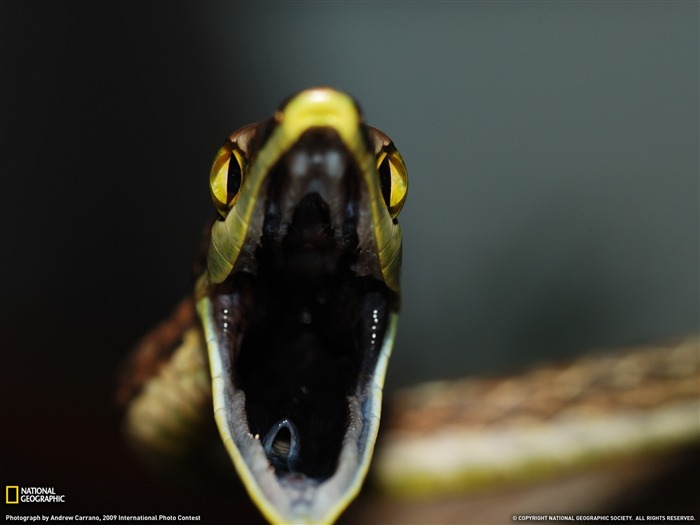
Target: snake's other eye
[393,179]
[226,177]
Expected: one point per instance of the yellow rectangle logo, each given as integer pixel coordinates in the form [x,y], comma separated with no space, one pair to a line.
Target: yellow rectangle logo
[11,494]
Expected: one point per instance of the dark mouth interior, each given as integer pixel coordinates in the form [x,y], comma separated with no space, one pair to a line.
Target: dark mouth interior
[299,363]
[312,335]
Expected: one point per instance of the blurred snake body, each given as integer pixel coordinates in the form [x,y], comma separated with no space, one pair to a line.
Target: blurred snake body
[555,419]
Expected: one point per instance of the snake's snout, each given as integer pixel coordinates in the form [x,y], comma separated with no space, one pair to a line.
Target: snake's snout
[282,445]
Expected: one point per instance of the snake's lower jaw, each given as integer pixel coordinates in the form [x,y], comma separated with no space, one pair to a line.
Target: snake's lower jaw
[302,449]
[293,497]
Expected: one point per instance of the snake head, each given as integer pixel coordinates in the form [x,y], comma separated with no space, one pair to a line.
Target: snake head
[299,301]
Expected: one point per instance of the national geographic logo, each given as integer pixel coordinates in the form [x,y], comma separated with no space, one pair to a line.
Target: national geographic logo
[11,494]
[15,494]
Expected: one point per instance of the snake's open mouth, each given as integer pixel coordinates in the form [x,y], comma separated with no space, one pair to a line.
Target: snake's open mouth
[306,346]
[313,327]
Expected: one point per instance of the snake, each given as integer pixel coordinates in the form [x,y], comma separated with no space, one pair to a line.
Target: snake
[286,337]
[288,331]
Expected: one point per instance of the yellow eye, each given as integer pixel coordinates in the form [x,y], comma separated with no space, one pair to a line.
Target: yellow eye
[226,177]
[393,179]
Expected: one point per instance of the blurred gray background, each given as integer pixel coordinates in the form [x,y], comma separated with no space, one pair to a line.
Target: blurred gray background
[552,150]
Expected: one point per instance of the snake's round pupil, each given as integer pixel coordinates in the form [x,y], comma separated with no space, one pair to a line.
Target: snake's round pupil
[385,180]
[233,178]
